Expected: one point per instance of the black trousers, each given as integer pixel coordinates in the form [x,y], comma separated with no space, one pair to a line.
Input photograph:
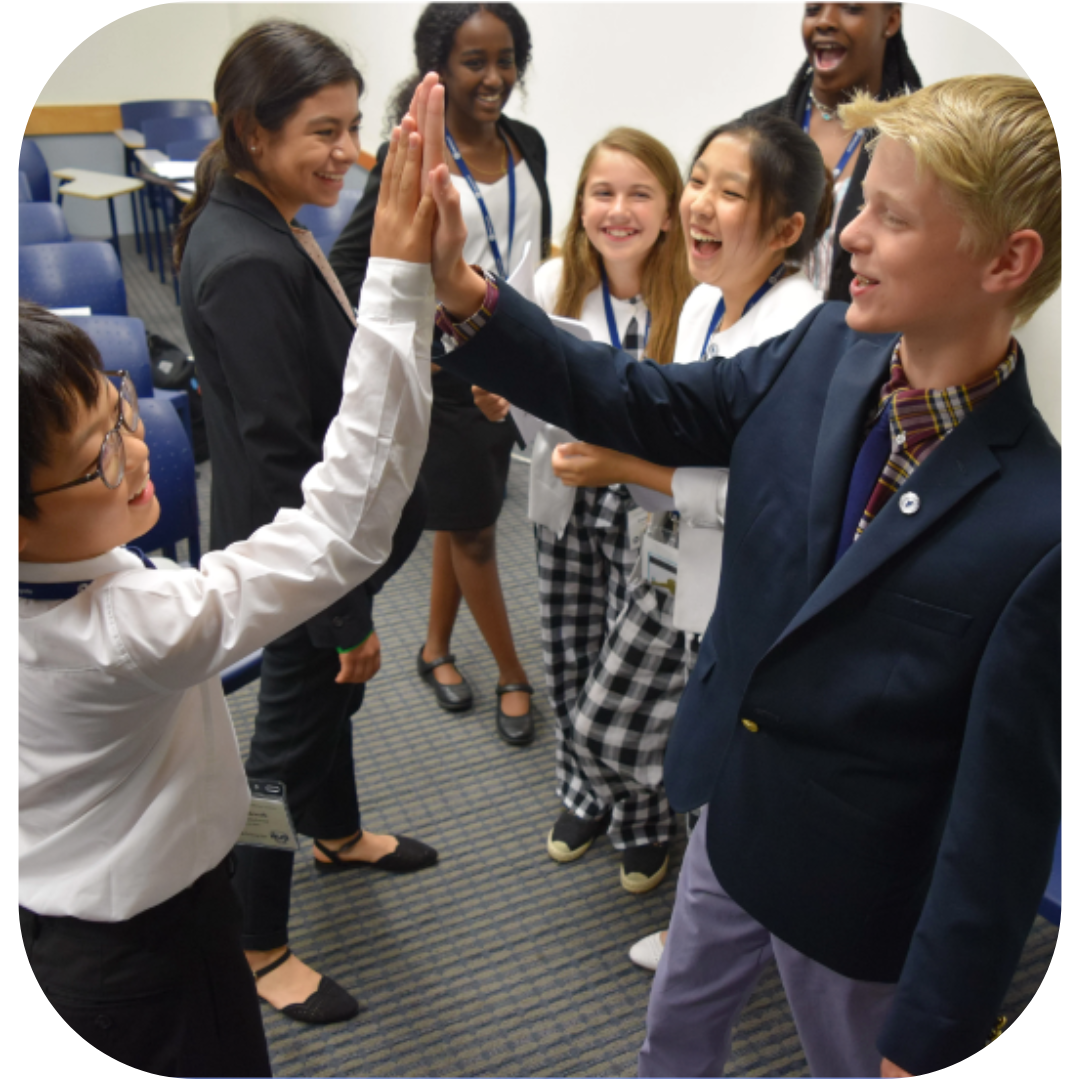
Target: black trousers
[303,737]
[168,991]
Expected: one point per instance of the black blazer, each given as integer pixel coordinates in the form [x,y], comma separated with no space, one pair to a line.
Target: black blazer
[841,274]
[878,741]
[352,249]
[270,342]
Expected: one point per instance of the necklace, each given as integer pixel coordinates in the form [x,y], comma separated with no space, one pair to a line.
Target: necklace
[494,174]
[827,114]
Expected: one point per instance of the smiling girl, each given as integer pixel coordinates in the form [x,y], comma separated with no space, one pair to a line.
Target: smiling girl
[498,165]
[756,200]
[623,274]
[849,47]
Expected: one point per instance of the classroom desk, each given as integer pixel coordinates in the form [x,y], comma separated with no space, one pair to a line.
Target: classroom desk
[134,140]
[87,184]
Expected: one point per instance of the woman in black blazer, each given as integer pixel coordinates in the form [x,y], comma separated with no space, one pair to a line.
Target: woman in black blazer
[270,329]
[480,52]
[848,47]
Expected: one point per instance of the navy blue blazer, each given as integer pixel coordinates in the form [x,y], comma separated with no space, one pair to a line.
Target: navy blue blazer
[878,740]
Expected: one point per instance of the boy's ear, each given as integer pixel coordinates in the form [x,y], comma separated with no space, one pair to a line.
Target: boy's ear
[1015,262]
[24,533]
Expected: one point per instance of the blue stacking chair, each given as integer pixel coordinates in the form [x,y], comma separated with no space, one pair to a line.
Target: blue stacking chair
[1050,906]
[242,672]
[187,149]
[133,114]
[86,274]
[42,223]
[121,340]
[32,162]
[25,194]
[172,469]
[326,222]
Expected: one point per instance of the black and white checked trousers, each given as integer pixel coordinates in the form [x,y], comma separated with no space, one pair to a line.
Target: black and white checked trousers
[615,669]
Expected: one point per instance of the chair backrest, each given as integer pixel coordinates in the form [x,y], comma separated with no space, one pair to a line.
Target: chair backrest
[42,223]
[159,131]
[83,274]
[121,340]
[172,470]
[326,222]
[134,113]
[32,162]
[187,149]
[25,194]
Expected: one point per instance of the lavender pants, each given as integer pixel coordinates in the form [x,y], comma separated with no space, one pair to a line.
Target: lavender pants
[714,955]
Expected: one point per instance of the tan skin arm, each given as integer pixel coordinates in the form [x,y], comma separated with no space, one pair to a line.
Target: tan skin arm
[580,464]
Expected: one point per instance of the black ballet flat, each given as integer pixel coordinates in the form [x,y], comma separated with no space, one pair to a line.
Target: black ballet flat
[330,1004]
[456,697]
[410,855]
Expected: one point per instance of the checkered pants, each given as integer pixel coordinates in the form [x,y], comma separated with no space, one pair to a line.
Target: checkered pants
[615,670]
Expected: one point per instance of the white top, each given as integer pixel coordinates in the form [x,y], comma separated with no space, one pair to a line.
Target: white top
[700,495]
[529,208]
[130,781]
[551,502]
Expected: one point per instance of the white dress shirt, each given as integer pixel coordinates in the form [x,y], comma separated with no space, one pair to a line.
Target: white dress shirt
[130,780]
[550,501]
[700,495]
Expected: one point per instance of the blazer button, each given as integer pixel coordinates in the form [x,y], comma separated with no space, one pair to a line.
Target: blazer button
[749,725]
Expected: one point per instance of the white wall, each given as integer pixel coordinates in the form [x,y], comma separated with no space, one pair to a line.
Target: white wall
[595,65]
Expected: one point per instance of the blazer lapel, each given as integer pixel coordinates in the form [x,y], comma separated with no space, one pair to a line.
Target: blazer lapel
[963,462]
[852,393]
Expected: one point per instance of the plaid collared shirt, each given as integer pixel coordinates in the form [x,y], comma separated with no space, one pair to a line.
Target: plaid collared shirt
[919,420]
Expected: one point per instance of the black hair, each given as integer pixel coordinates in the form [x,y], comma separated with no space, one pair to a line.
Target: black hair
[433,39]
[268,71]
[58,369]
[898,76]
[788,176]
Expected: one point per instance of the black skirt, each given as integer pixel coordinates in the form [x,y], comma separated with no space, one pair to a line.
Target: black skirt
[467,460]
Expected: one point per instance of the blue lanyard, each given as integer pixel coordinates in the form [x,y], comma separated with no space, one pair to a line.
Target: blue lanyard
[65,590]
[455,153]
[721,307]
[845,157]
[609,311]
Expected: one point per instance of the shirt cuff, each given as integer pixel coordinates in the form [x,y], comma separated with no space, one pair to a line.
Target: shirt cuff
[454,334]
[395,291]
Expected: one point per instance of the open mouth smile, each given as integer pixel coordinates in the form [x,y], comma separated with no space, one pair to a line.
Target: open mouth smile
[144,495]
[828,56]
[703,243]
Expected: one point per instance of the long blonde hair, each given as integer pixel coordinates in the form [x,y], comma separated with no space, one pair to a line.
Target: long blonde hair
[665,277]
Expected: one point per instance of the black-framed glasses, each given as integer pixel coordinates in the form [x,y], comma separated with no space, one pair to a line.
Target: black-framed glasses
[112,459]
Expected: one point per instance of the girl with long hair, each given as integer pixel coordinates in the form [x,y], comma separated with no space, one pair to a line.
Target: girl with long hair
[623,274]
[498,165]
[270,328]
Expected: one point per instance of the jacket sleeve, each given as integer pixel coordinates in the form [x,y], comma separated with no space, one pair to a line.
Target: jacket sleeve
[998,843]
[677,415]
[352,250]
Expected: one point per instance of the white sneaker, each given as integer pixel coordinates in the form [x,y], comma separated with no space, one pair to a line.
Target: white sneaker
[646,953]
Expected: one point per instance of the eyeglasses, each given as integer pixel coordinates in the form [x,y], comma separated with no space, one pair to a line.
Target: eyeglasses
[112,458]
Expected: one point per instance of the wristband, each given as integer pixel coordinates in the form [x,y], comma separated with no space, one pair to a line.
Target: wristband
[353,648]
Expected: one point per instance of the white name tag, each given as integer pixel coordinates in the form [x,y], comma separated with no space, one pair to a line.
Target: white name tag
[660,563]
[268,823]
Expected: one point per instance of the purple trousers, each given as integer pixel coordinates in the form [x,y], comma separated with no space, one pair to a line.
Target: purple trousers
[714,956]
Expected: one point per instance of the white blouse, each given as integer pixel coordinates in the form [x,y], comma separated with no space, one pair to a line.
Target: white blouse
[527,218]
[700,495]
[551,502]
[130,781]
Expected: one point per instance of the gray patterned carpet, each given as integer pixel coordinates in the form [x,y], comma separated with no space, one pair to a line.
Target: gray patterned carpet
[497,962]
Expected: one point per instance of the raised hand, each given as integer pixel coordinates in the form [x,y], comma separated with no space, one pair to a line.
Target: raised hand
[404,219]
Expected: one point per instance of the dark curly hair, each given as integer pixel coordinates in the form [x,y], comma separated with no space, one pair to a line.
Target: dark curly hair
[433,39]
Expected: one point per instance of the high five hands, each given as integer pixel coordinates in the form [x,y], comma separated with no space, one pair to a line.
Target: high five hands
[418,216]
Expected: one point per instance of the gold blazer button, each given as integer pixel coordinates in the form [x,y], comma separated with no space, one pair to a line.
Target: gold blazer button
[749,725]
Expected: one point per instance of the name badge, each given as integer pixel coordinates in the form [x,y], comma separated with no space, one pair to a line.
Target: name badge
[269,824]
[660,560]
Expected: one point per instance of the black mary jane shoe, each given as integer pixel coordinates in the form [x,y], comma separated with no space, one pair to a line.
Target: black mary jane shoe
[516,730]
[330,1004]
[456,697]
[409,855]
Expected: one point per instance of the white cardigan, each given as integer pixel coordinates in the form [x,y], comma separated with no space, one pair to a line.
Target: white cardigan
[550,501]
